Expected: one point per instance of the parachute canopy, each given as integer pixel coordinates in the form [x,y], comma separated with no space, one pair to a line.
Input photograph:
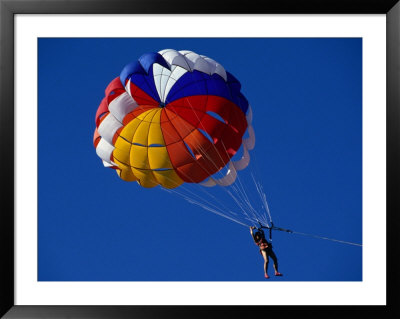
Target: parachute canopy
[172,117]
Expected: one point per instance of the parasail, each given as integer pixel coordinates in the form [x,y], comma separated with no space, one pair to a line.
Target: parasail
[174,117]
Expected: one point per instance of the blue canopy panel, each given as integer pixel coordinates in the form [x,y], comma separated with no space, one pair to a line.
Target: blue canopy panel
[148,59]
[146,83]
[233,82]
[141,73]
[133,67]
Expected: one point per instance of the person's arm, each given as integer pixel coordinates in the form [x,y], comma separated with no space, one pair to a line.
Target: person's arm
[251,232]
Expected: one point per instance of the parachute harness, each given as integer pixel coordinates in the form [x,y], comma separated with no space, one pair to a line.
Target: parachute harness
[273,227]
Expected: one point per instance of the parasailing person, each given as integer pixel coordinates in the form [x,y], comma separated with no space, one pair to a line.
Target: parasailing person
[265,250]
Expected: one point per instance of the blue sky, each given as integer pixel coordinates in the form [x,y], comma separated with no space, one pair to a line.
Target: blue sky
[306,96]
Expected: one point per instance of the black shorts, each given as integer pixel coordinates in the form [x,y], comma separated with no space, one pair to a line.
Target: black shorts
[267,250]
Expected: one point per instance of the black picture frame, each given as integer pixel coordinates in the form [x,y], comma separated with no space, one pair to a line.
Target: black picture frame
[8,10]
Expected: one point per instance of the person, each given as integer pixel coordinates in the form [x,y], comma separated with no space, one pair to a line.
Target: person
[265,250]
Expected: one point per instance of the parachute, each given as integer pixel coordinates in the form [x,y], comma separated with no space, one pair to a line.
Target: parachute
[174,117]
[177,118]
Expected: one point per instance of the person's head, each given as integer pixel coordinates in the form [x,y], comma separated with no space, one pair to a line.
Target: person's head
[257,235]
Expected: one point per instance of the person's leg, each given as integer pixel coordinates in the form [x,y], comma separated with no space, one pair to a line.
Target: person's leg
[275,260]
[266,261]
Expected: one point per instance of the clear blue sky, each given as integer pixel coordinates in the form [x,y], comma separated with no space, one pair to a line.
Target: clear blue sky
[306,96]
